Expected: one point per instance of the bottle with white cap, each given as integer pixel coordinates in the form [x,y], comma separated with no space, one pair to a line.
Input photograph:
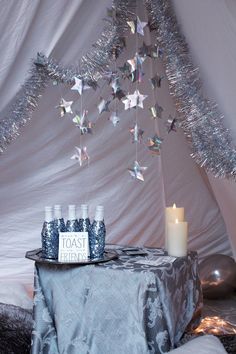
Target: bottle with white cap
[49,234]
[84,222]
[72,224]
[58,219]
[97,234]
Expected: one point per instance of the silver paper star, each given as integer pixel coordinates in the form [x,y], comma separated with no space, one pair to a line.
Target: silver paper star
[136,133]
[103,106]
[156,111]
[65,107]
[136,62]
[82,123]
[156,81]
[154,144]
[81,155]
[114,119]
[171,124]
[79,86]
[115,84]
[136,171]
[137,26]
[134,100]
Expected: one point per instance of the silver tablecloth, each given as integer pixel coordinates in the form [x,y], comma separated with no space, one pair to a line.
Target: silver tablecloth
[132,305]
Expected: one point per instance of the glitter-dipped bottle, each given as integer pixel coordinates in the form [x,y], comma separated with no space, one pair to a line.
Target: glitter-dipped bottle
[49,235]
[58,219]
[97,234]
[72,224]
[84,222]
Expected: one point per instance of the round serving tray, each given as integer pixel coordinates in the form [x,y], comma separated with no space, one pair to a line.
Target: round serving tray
[36,256]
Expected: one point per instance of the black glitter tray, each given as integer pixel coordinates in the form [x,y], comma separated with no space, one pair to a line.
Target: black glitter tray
[36,256]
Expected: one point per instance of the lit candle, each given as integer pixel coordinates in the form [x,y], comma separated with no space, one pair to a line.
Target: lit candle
[171,214]
[177,234]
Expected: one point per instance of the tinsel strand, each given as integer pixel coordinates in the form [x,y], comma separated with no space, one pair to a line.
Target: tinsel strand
[201,120]
[92,67]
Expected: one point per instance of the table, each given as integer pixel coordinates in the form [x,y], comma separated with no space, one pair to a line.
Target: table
[132,305]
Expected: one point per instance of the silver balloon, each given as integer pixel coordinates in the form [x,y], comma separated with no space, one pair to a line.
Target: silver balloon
[218,276]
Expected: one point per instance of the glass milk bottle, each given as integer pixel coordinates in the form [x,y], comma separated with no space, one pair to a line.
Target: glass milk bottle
[72,224]
[58,219]
[84,222]
[49,235]
[97,234]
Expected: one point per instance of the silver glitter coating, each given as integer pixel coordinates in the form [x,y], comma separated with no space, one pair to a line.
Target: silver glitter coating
[60,225]
[50,240]
[92,67]
[72,226]
[84,225]
[97,236]
[200,118]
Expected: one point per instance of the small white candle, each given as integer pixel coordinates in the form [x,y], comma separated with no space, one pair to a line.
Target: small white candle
[177,234]
[171,214]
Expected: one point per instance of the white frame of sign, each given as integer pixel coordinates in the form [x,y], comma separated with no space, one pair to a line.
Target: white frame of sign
[73,247]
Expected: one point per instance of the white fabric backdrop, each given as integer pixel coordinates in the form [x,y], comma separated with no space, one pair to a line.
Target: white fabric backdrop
[210,27]
[36,169]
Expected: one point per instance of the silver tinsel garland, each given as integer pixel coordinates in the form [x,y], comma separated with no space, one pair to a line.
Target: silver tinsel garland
[202,122]
[93,66]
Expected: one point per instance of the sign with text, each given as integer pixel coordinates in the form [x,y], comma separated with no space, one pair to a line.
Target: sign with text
[73,247]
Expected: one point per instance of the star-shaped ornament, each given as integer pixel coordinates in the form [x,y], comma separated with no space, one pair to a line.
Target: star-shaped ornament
[65,107]
[137,75]
[136,133]
[80,155]
[154,144]
[136,62]
[79,86]
[114,119]
[156,52]
[156,111]
[156,81]
[171,124]
[145,50]
[136,171]
[125,70]
[82,123]
[119,94]
[137,26]
[134,100]
[103,106]
[115,84]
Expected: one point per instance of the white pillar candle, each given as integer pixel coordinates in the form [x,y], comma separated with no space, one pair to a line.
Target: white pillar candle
[177,234]
[171,214]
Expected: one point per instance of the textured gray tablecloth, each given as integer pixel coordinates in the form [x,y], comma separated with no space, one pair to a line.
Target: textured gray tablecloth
[121,307]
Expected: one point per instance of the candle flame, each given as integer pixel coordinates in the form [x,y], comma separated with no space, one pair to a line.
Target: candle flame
[174,206]
[176,221]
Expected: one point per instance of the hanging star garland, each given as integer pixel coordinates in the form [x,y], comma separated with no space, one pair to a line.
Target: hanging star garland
[136,68]
[156,81]
[136,133]
[114,119]
[82,123]
[156,111]
[154,144]
[134,100]
[171,124]
[65,107]
[103,106]
[137,26]
[115,84]
[80,155]
[79,86]
[136,171]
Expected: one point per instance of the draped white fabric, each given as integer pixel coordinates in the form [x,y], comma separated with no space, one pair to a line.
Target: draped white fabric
[36,169]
